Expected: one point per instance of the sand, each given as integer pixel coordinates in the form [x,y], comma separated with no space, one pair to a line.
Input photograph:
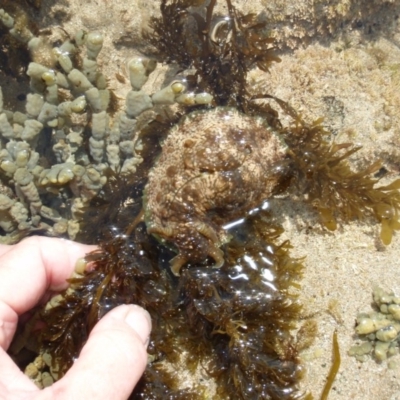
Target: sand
[340,60]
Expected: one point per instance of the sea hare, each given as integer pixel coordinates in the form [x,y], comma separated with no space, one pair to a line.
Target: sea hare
[215,166]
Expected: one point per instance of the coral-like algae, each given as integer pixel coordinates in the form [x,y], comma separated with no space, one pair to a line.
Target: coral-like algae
[14,55]
[377,332]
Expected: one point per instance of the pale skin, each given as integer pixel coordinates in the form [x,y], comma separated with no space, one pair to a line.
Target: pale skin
[114,357]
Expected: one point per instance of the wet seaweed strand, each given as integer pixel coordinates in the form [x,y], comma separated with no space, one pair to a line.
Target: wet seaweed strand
[222,59]
[322,171]
[336,360]
[334,367]
[244,302]
[235,321]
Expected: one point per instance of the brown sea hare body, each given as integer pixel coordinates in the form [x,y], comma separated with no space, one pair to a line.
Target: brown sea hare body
[215,165]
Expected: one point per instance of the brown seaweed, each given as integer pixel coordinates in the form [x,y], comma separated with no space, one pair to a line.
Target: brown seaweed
[223,317]
[221,51]
[323,172]
[334,367]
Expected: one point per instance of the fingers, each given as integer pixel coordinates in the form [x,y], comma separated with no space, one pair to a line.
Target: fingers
[109,366]
[113,359]
[12,380]
[111,362]
[27,270]
[4,248]
[35,265]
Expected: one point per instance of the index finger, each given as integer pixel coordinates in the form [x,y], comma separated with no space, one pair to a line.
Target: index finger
[30,268]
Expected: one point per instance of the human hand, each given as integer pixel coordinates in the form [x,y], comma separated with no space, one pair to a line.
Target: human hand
[114,357]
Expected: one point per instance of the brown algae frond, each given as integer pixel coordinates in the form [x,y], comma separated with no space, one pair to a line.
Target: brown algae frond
[121,273]
[220,50]
[322,171]
[234,322]
[336,359]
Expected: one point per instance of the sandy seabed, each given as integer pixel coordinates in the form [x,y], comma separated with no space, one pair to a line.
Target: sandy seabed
[344,72]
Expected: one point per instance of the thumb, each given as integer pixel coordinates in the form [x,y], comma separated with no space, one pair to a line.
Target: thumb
[113,359]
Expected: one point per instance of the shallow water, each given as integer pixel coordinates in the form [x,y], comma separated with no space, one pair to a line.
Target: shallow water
[359,72]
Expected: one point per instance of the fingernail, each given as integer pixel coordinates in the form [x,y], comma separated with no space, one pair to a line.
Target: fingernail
[139,320]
